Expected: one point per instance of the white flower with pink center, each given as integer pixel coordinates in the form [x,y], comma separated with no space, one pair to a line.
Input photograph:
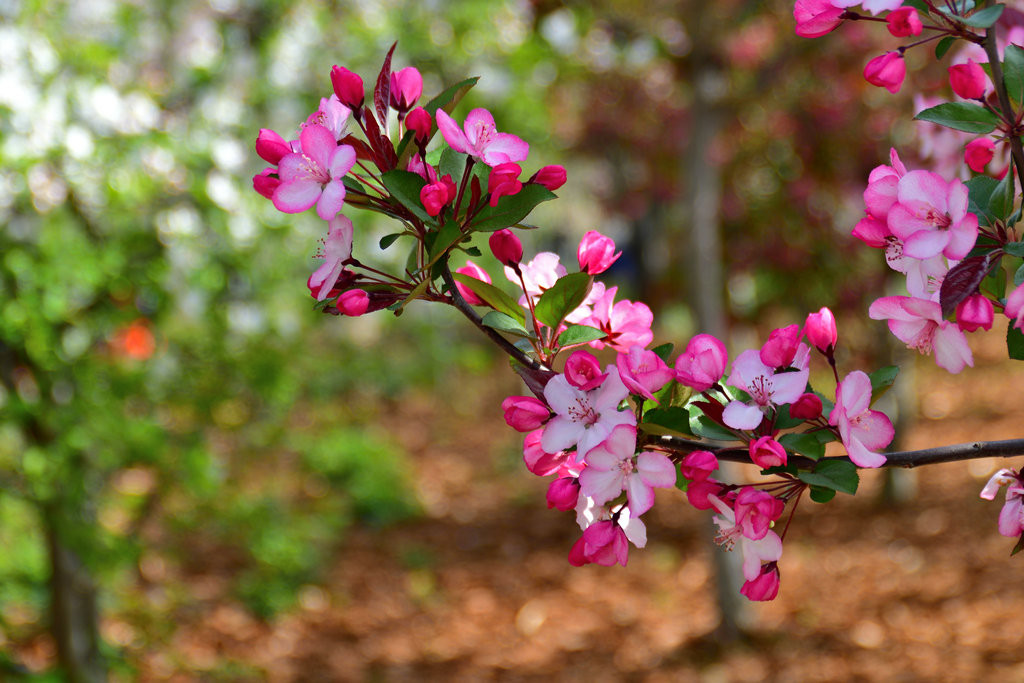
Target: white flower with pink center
[863,431]
[768,548]
[584,418]
[920,325]
[313,176]
[612,468]
[931,218]
[765,386]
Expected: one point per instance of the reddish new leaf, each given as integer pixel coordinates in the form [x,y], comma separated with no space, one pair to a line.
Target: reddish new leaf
[963,279]
[712,409]
[382,92]
[535,380]
[363,150]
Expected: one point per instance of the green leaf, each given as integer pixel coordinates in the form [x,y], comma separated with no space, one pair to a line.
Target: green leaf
[563,298]
[820,494]
[505,323]
[942,47]
[579,334]
[705,427]
[881,380]
[1013,73]
[405,186]
[444,239]
[965,116]
[352,184]
[783,420]
[1015,343]
[387,240]
[495,298]
[804,443]
[664,352]
[452,163]
[979,194]
[1000,204]
[1018,277]
[399,307]
[511,208]
[839,475]
[667,421]
[984,18]
[1014,248]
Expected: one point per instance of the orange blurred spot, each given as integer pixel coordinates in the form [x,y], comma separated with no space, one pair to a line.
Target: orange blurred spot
[135,341]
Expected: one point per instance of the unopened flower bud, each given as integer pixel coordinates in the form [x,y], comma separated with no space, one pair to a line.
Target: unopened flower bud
[266,181]
[406,88]
[821,331]
[472,270]
[781,347]
[583,371]
[904,22]
[886,71]
[506,247]
[353,303]
[271,146]
[978,153]
[348,86]
[975,313]
[967,80]
[767,452]
[807,407]
[525,413]
[503,180]
[551,177]
[699,465]
[563,493]
[596,253]
[419,120]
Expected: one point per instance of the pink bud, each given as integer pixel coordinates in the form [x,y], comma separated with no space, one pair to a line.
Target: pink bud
[596,253]
[703,363]
[698,466]
[406,88]
[886,71]
[967,80]
[815,18]
[821,331]
[604,543]
[807,407]
[563,493]
[472,270]
[904,22]
[434,197]
[583,371]
[697,493]
[780,349]
[353,302]
[767,452]
[539,461]
[525,413]
[348,86]
[1014,309]
[975,313]
[419,120]
[978,153]
[765,586]
[755,511]
[642,371]
[506,247]
[266,181]
[552,177]
[271,146]
[503,180]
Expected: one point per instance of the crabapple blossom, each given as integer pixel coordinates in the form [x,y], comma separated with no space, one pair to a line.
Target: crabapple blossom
[1014,308]
[699,493]
[353,302]
[539,461]
[886,71]
[698,466]
[538,276]
[863,431]
[975,313]
[815,18]
[755,511]
[602,543]
[874,6]
[583,371]
[525,413]
[968,80]
[584,418]
[552,177]
[271,146]
[348,86]
[596,253]
[765,586]
[768,548]
[1011,517]
[436,195]
[313,176]
[920,325]
[481,139]
[624,323]
[820,329]
[332,115]
[419,120]
[931,217]
[337,249]
[642,371]
[904,22]
[765,386]
[781,347]
[807,407]
[506,247]
[563,493]
[503,180]
[406,88]
[702,364]
[611,468]
[624,526]
[978,153]
[266,181]
[766,452]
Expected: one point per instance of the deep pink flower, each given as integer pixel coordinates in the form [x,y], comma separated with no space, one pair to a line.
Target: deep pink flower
[605,544]
[765,386]
[539,461]
[552,177]
[703,363]
[525,413]
[863,431]
[919,324]
[503,180]
[815,18]
[271,146]
[348,86]
[975,313]
[886,71]
[642,371]
[766,452]
[781,347]
[406,88]
[768,548]
[337,249]
[314,175]
[931,217]
[807,407]
[481,139]
[978,153]
[266,181]
[698,466]
[583,371]
[755,511]
[700,492]
[820,329]
[904,22]
[472,270]
[765,586]
[596,253]
[563,493]
[353,302]
[1014,308]
[419,120]
[968,80]
[436,195]
[506,247]
[584,418]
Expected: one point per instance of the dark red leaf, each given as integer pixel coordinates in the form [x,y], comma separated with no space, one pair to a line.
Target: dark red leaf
[535,380]
[474,195]
[363,150]
[962,280]
[712,409]
[386,152]
[382,92]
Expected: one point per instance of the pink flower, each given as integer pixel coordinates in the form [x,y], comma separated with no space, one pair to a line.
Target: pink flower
[506,247]
[332,115]
[765,586]
[698,466]
[700,492]
[348,86]
[643,372]
[481,139]
[919,324]
[978,153]
[313,176]
[271,146]
[780,349]
[1011,517]
[863,431]
[406,88]
[583,371]
[625,323]
[874,6]
[539,461]
[336,250]
[703,363]
[968,80]
[820,329]
[765,386]
[605,544]
[755,551]
[584,418]
[975,313]
[353,302]
[525,413]
[539,275]
[931,217]
[503,180]
[807,407]
[266,181]
[904,22]
[473,270]
[755,511]
[1014,308]
[596,253]
[563,493]
[815,18]
[419,120]
[611,468]
[766,452]
[886,71]
[435,196]
[552,177]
